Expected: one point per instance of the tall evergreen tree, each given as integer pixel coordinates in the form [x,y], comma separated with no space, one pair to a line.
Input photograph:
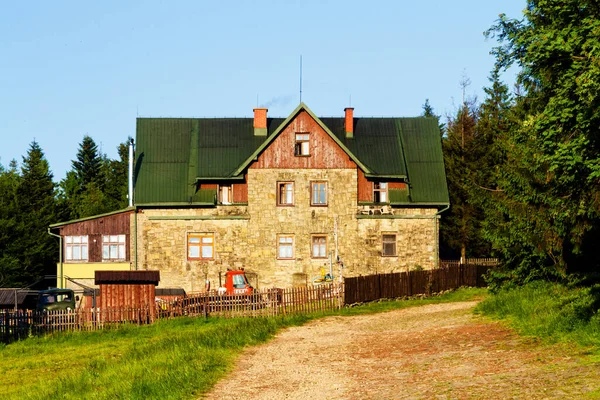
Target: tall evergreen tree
[9,233]
[88,165]
[116,178]
[36,211]
[461,230]
[551,177]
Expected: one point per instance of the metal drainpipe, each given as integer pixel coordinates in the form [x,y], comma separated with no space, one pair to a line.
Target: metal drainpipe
[60,257]
[437,235]
[135,237]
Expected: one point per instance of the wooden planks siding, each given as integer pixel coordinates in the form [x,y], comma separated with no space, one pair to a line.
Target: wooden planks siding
[324,151]
[365,187]
[115,224]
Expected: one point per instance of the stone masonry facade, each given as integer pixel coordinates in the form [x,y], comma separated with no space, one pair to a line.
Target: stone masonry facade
[247,235]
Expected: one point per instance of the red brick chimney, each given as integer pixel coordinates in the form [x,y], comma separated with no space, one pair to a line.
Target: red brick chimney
[260,121]
[349,122]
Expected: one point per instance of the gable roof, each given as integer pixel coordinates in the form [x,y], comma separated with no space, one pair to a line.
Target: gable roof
[173,153]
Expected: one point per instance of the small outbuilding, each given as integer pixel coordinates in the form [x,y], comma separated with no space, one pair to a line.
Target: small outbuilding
[122,290]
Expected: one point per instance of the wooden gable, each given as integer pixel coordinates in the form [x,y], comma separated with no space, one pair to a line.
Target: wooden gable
[324,152]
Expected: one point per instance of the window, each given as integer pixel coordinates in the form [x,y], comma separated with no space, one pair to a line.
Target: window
[285,247]
[388,248]
[285,193]
[318,195]
[380,192]
[302,147]
[113,247]
[201,246]
[319,246]
[76,248]
[225,194]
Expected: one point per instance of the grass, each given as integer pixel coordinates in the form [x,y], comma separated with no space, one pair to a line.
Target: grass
[173,359]
[553,312]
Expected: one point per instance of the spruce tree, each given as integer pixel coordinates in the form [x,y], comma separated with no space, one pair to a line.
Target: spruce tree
[9,232]
[551,177]
[36,210]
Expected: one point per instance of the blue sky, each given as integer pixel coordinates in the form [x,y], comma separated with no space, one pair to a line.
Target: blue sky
[71,68]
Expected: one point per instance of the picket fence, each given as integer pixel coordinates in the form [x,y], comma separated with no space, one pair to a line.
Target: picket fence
[263,303]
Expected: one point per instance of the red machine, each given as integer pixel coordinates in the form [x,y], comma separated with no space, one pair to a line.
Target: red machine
[236,282]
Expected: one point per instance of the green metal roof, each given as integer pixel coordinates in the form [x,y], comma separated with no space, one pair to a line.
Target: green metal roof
[174,153]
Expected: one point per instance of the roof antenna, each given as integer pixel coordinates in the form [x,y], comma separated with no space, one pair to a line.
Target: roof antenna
[300,78]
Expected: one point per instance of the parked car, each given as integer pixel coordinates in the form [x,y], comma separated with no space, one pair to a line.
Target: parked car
[56,299]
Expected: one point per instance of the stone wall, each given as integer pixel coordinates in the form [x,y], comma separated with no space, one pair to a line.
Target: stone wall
[246,236]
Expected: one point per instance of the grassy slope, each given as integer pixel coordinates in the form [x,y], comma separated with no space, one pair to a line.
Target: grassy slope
[176,359]
[550,311]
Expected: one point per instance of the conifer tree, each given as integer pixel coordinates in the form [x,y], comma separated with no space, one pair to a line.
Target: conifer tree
[9,233]
[551,177]
[36,210]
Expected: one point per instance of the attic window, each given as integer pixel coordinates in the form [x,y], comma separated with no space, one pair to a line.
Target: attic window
[225,194]
[380,192]
[302,147]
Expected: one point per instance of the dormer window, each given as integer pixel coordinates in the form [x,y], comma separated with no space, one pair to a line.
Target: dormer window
[225,194]
[302,147]
[380,192]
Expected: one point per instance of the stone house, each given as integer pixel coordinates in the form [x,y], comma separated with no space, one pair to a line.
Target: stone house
[285,198]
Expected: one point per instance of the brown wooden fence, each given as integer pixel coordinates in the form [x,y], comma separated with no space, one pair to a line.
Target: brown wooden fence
[403,284]
[270,302]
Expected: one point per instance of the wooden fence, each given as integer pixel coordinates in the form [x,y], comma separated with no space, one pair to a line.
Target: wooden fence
[403,284]
[19,324]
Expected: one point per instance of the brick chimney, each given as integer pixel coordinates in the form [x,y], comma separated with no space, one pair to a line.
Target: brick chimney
[260,121]
[349,122]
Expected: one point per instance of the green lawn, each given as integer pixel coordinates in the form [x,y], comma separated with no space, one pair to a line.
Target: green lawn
[173,359]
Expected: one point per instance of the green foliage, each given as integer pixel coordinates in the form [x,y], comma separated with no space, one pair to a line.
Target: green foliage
[96,184]
[35,250]
[551,311]
[546,215]
[461,229]
[30,202]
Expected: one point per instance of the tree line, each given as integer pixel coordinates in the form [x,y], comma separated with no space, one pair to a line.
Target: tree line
[523,168]
[30,201]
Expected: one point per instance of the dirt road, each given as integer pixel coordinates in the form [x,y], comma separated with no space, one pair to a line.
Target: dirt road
[431,352]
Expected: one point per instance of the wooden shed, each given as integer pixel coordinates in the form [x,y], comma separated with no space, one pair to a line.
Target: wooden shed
[134,290]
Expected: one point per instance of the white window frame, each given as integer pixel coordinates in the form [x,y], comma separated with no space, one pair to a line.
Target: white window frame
[380,192]
[285,193]
[113,247]
[285,247]
[76,248]
[316,190]
[302,146]
[318,246]
[226,194]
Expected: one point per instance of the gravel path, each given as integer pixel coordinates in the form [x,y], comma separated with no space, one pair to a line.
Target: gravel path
[437,351]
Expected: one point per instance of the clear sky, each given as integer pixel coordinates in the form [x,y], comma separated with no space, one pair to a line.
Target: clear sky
[71,68]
